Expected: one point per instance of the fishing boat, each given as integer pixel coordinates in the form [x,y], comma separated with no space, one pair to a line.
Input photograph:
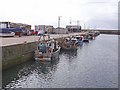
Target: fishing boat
[90,36]
[69,44]
[79,40]
[85,38]
[47,51]
[96,33]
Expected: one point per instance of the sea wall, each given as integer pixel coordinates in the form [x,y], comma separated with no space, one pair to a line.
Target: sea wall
[116,32]
[13,55]
[16,54]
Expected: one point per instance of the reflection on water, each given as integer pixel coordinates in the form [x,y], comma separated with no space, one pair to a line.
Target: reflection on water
[21,73]
[94,65]
[69,55]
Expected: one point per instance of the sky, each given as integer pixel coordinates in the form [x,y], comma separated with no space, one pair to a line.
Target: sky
[97,14]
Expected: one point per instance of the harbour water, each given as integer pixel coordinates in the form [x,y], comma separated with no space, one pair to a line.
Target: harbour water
[93,65]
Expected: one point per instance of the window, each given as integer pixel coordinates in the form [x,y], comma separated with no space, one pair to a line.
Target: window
[3,25]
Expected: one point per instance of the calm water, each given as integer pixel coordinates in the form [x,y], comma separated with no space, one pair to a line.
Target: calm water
[94,65]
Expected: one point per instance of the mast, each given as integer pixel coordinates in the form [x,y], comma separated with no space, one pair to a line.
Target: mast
[70,25]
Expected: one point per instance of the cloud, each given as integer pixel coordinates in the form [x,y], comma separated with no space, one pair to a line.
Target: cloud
[102,22]
[47,11]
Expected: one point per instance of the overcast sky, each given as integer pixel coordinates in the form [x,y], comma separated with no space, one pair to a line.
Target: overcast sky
[93,13]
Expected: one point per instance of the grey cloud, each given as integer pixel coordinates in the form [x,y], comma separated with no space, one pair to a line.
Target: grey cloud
[104,22]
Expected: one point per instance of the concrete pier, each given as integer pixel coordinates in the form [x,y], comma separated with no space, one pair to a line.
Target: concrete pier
[16,50]
[115,32]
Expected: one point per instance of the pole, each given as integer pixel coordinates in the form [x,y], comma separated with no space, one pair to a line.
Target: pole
[84,26]
[78,25]
[59,22]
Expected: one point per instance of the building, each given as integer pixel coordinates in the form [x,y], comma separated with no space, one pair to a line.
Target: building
[49,28]
[15,25]
[45,28]
[18,28]
[73,28]
[60,30]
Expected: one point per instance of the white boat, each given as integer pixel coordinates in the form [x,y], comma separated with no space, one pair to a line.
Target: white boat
[8,34]
[85,38]
[79,40]
[47,56]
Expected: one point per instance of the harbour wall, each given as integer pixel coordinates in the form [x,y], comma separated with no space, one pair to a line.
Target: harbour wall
[116,32]
[16,54]
[13,55]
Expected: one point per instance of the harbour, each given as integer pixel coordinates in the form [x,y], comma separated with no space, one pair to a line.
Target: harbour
[59,44]
[56,60]
[93,65]
[21,49]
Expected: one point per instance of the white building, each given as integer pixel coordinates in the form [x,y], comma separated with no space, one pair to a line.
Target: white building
[73,28]
[60,30]
[44,28]
[40,27]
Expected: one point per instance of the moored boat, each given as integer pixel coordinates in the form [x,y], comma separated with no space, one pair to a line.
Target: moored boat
[79,40]
[46,51]
[97,33]
[69,44]
[90,36]
[85,38]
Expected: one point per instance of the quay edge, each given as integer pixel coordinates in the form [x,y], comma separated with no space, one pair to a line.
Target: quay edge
[16,54]
[13,55]
[114,32]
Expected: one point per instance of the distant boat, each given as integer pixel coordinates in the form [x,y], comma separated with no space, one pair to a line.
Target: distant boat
[85,38]
[97,33]
[79,40]
[93,34]
[90,36]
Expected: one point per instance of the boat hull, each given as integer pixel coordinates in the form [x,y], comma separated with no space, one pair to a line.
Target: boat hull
[10,34]
[85,40]
[54,55]
[43,59]
[68,49]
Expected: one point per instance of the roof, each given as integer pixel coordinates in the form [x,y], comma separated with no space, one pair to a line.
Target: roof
[73,26]
[15,23]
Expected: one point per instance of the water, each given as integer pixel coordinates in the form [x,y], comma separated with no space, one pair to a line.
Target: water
[94,65]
